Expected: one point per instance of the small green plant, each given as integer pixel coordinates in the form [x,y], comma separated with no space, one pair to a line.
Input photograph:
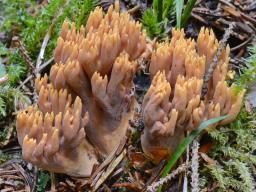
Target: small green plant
[157,20]
[16,16]
[43,180]
[4,157]
[10,98]
[76,11]
[9,95]
[248,75]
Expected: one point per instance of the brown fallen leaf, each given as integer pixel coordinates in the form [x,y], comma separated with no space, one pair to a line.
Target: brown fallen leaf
[138,160]
[206,147]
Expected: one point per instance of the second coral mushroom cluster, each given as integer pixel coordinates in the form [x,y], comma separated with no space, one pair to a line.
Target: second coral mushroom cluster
[173,103]
[84,106]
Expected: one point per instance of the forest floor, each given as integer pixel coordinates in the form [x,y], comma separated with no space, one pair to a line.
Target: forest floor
[227,155]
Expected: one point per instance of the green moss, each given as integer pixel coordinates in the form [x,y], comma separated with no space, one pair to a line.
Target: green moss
[43,180]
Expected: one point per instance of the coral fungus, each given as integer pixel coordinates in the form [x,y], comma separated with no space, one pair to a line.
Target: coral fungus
[84,106]
[87,104]
[172,104]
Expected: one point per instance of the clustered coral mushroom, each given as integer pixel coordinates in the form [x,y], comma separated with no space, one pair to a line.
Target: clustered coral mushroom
[85,104]
[86,107]
[172,104]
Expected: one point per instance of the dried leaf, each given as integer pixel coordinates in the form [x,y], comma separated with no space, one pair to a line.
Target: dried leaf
[138,160]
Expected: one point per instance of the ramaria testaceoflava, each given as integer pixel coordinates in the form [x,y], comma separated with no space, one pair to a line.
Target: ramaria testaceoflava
[89,101]
[85,104]
[173,104]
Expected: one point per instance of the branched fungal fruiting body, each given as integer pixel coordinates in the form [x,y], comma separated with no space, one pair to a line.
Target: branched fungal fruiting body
[87,105]
[172,104]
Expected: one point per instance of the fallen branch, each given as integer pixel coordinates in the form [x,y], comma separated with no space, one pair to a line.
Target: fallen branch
[214,62]
[185,181]
[194,167]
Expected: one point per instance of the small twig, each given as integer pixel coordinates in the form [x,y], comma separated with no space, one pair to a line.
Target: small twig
[53,182]
[185,183]
[214,62]
[25,81]
[132,10]
[242,44]
[24,53]
[44,65]
[194,167]
[42,50]
[37,71]
[153,187]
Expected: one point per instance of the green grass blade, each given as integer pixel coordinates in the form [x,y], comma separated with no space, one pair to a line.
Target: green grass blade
[168,8]
[179,6]
[182,147]
[187,11]
[158,9]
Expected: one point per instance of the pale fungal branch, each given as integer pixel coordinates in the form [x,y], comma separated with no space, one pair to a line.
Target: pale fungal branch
[194,167]
[153,187]
[214,63]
